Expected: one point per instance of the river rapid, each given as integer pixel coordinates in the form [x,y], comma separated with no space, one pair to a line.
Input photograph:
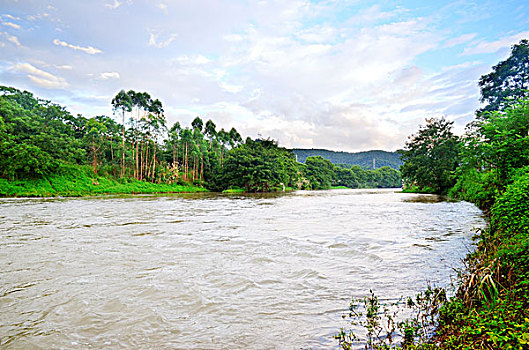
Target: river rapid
[216,272]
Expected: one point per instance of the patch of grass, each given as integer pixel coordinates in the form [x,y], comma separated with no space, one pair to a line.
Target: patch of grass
[76,181]
[415,189]
[234,190]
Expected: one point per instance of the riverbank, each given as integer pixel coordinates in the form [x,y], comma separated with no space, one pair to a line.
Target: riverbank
[491,308]
[78,182]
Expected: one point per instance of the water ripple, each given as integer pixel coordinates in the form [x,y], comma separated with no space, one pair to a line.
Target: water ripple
[214,271]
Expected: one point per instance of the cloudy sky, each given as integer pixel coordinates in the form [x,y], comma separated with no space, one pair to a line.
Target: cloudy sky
[341,75]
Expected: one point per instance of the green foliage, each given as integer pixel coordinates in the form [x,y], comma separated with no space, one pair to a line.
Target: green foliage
[476,186]
[430,157]
[510,212]
[491,309]
[35,136]
[346,177]
[258,166]
[388,177]
[494,148]
[319,172]
[508,80]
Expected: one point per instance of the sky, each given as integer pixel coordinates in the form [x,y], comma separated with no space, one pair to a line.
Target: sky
[340,75]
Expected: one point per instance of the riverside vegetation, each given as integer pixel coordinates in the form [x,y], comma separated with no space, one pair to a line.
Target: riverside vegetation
[489,166]
[46,151]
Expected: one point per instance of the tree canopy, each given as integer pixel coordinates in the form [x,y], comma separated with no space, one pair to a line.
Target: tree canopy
[258,166]
[509,79]
[430,157]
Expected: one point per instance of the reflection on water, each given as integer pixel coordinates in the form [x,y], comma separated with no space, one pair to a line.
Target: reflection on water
[215,271]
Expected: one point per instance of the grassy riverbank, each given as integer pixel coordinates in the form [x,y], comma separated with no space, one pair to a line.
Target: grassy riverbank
[491,308]
[77,181]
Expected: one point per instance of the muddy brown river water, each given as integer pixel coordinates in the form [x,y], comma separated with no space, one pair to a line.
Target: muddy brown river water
[215,272]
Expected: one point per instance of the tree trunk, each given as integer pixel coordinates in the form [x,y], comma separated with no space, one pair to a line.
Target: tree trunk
[94,160]
[186,166]
[154,162]
[137,144]
[123,144]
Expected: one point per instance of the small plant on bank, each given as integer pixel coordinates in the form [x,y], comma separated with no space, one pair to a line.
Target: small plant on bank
[381,325]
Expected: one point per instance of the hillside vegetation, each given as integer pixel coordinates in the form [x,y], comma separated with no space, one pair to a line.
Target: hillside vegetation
[365,160]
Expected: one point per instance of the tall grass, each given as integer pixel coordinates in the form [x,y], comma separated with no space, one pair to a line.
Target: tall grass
[76,181]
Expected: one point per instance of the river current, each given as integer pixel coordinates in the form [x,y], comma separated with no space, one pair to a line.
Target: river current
[216,272]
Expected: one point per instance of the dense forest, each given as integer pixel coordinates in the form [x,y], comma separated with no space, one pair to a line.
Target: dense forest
[43,148]
[366,160]
[488,166]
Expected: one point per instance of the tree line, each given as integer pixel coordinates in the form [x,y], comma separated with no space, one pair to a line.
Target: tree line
[37,136]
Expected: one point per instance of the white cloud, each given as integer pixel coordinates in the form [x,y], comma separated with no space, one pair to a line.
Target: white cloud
[162,7]
[459,40]
[12,17]
[233,38]
[12,25]
[109,75]
[484,47]
[11,38]
[40,77]
[154,41]
[318,34]
[89,50]
[113,5]
[193,60]
[64,66]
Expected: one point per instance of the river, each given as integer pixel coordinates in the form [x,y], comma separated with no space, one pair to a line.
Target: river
[215,272]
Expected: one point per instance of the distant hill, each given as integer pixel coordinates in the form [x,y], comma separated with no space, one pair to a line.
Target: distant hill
[363,159]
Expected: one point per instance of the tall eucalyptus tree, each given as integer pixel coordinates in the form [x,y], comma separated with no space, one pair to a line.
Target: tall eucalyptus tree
[122,101]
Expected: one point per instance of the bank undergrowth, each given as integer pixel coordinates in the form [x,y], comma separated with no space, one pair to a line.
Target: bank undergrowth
[76,181]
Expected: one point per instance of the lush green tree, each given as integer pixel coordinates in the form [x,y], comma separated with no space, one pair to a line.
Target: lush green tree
[122,102]
[494,148]
[234,138]
[388,177]
[186,138]
[111,144]
[430,157]
[320,172]
[197,123]
[345,177]
[509,79]
[94,137]
[36,136]
[210,131]
[258,166]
